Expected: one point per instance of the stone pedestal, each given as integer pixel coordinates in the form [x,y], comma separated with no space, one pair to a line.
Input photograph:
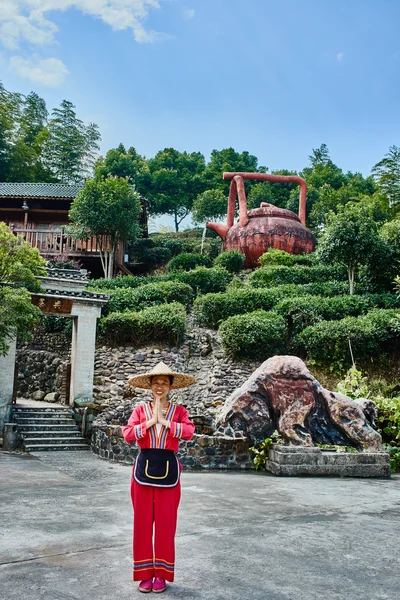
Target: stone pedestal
[314,462]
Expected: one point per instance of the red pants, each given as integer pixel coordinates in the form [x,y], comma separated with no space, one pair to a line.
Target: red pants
[154,508]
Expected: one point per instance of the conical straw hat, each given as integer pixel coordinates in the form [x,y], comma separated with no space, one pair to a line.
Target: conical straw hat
[143,381]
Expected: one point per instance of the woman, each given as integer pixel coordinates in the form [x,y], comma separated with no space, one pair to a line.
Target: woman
[156,426]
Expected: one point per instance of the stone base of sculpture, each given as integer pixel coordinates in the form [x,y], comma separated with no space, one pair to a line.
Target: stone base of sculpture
[314,462]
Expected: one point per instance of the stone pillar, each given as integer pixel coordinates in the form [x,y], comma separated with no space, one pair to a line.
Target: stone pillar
[7,369]
[82,350]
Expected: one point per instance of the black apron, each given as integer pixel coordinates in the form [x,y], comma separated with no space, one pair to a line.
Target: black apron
[157,468]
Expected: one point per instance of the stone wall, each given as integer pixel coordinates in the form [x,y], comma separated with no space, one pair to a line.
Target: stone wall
[200,355]
[201,452]
[38,370]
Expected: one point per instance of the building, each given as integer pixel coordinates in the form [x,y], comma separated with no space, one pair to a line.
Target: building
[39,212]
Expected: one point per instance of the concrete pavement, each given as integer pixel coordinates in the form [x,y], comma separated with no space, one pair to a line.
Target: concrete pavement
[66,518]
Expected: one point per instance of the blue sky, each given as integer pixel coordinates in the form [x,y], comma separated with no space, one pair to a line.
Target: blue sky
[276,78]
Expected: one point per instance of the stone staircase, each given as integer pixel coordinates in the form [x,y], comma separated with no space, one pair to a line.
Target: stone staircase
[49,429]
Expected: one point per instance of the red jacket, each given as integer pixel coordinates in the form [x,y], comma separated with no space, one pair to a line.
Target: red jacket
[168,438]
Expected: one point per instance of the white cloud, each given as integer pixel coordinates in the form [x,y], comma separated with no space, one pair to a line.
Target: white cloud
[189,13]
[340,56]
[47,71]
[26,20]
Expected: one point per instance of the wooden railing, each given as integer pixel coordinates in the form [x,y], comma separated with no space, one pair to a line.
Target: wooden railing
[50,242]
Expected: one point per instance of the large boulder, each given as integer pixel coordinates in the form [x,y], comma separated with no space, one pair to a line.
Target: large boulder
[282,395]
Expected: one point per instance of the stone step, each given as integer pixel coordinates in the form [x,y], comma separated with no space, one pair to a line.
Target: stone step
[29,441]
[40,413]
[50,421]
[49,447]
[47,427]
[51,434]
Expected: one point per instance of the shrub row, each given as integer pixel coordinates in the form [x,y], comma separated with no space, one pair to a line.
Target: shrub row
[211,309]
[149,295]
[179,243]
[186,262]
[261,334]
[257,335]
[376,332]
[166,323]
[273,256]
[232,260]
[201,279]
[205,280]
[301,312]
[278,275]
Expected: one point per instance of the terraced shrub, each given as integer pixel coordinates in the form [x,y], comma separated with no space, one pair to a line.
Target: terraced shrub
[278,275]
[371,335]
[388,422]
[205,280]
[211,309]
[127,281]
[301,312]
[149,295]
[255,336]
[232,260]
[274,257]
[165,323]
[186,262]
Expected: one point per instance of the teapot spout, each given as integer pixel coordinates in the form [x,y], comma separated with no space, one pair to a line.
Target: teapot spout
[222,230]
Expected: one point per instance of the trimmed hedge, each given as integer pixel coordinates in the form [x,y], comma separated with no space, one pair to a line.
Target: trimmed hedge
[308,310]
[273,257]
[187,262]
[372,334]
[131,281]
[211,309]
[178,243]
[256,336]
[205,280]
[278,275]
[165,323]
[232,260]
[149,295]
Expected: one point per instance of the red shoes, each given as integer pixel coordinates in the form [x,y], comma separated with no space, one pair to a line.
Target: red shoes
[146,586]
[159,585]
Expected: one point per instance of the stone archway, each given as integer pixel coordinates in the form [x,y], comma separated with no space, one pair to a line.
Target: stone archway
[64,296]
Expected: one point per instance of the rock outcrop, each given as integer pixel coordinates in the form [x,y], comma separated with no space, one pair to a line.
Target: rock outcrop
[282,395]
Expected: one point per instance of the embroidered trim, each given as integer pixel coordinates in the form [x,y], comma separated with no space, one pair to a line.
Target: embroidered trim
[149,414]
[169,417]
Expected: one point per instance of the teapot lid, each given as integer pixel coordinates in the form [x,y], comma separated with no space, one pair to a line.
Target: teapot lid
[270,210]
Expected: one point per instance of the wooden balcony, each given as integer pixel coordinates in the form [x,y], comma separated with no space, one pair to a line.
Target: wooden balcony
[52,242]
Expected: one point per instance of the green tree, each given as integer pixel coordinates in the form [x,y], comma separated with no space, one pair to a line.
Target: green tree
[352,239]
[387,176]
[19,264]
[10,109]
[108,208]
[176,180]
[211,204]
[128,164]
[132,166]
[71,145]
[229,160]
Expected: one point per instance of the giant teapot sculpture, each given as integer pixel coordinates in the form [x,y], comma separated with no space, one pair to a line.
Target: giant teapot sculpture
[264,227]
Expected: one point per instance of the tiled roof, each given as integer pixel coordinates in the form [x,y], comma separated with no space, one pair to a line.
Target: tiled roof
[39,190]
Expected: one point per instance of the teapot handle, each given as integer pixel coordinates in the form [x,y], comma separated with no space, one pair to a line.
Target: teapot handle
[238,185]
